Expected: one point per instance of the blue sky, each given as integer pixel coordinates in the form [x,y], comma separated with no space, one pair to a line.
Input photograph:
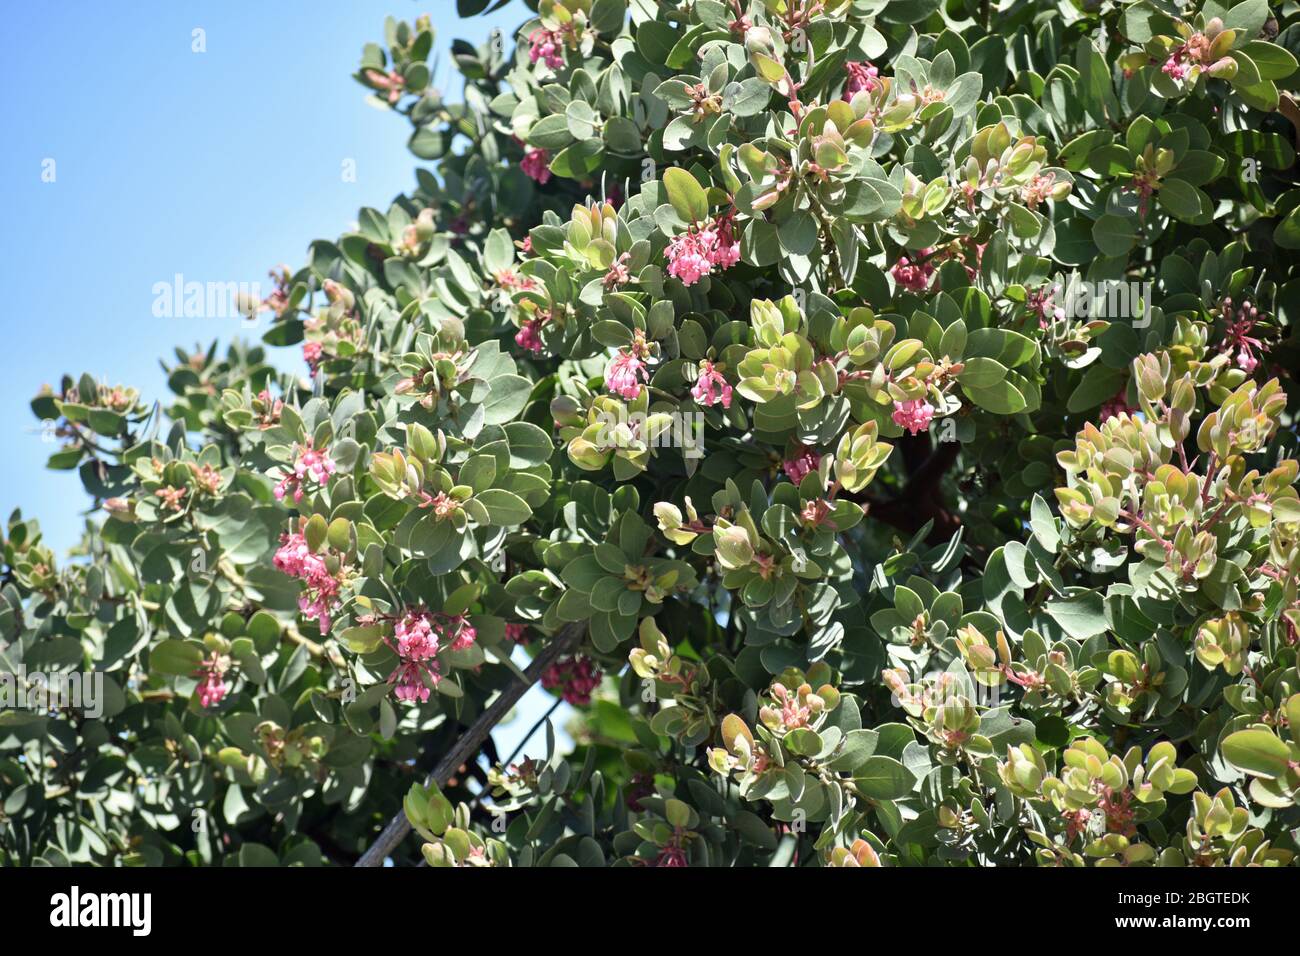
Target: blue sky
[216,165]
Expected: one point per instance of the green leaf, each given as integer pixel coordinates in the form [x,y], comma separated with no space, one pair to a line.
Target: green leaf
[550,132]
[608,16]
[1053,731]
[1261,96]
[180,658]
[507,396]
[579,160]
[1287,232]
[1074,155]
[908,11]
[687,196]
[1183,200]
[871,200]
[752,828]
[1008,348]
[257,855]
[1001,398]
[747,97]
[1081,616]
[1258,752]
[1247,17]
[362,639]
[883,778]
[529,445]
[1114,235]
[1272,61]
[339,534]
[316,531]
[479,472]
[1044,524]
[798,234]
[857,747]
[459,601]
[581,119]
[803,741]
[1099,383]
[505,508]
[980,372]
[760,244]
[105,422]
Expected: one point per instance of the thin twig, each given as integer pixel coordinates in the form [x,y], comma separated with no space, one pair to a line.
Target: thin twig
[532,730]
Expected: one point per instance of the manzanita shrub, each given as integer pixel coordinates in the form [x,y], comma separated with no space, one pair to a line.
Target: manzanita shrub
[877,411]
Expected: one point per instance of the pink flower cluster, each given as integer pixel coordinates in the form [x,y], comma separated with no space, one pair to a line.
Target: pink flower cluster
[442,504]
[415,637]
[393,84]
[625,375]
[527,337]
[312,353]
[1240,324]
[319,599]
[1042,302]
[410,679]
[914,414]
[517,633]
[418,637]
[862,76]
[547,46]
[1038,190]
[695,253]
[510,280]
[311,464]
[617,274]
[212,685]
[576,677]
[801,463]
[278,300]
[914,277]
[1177,66]
[794,714]
[1197,52]
[456,630]
[671,856]
[711,388]
[537,165]
[416,649]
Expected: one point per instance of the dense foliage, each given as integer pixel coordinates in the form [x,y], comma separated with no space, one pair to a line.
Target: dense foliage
[895,397]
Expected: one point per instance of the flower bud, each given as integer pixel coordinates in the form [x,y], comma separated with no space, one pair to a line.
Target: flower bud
[1224,69]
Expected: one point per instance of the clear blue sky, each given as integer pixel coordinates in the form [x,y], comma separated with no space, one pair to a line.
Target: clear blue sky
[216,165]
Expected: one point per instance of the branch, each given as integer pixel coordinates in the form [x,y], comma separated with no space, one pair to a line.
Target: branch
[469,743]
[919,500]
